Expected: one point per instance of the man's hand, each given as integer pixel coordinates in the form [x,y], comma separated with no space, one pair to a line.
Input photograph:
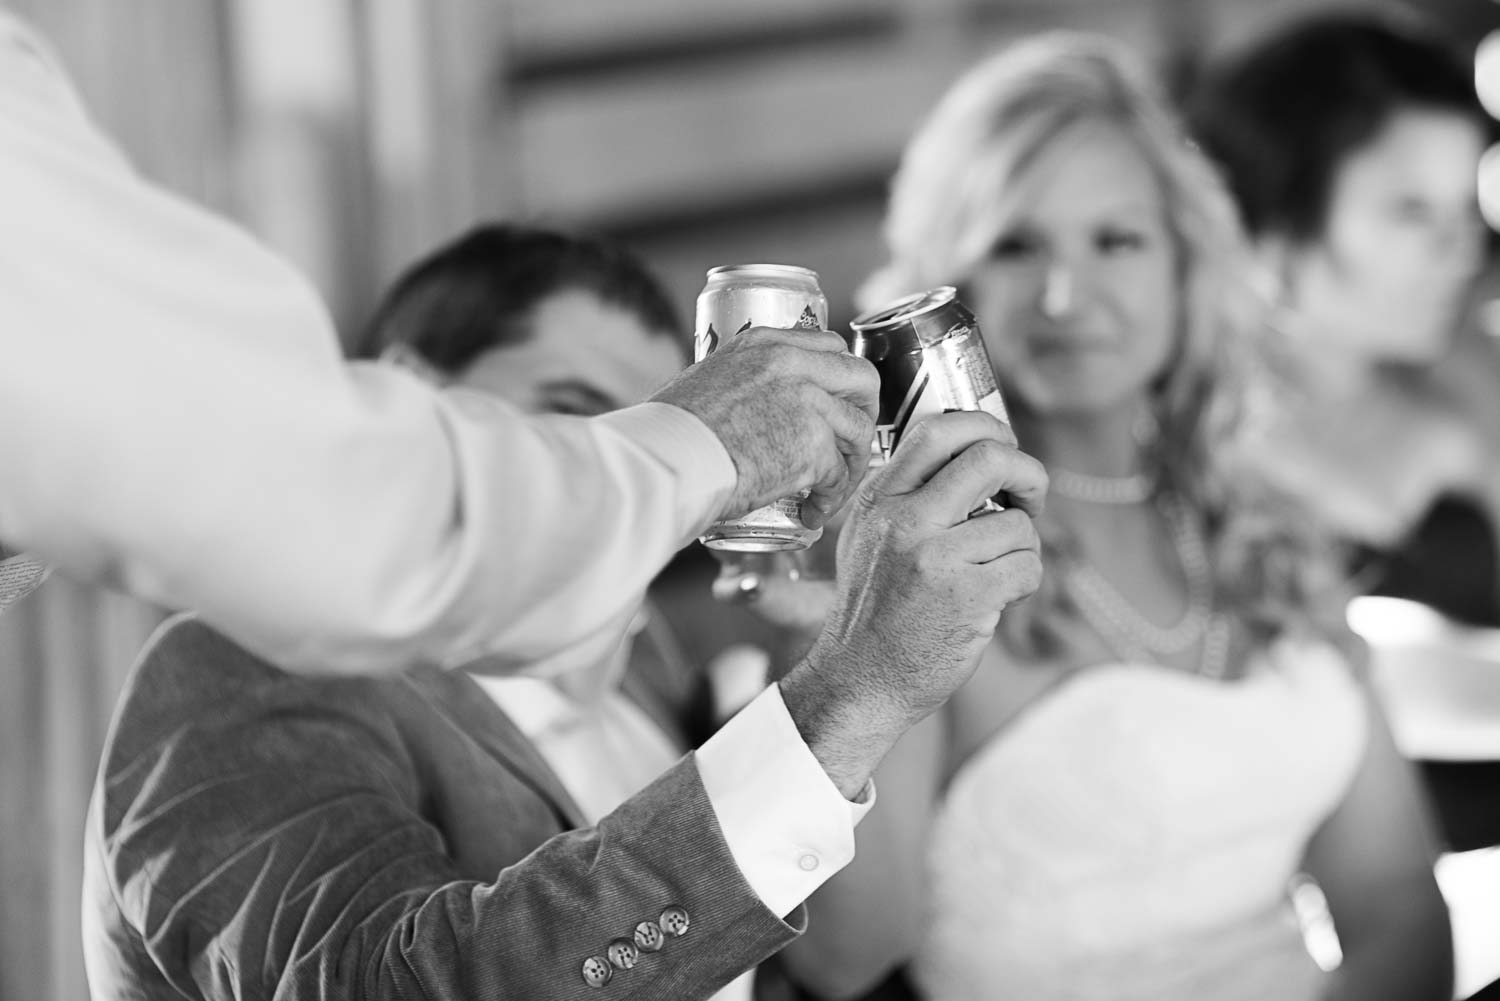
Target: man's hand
[793,409]
[921,586]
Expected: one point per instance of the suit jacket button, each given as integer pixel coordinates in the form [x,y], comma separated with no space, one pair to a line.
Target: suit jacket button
[597,971]
[648,936]
[622,953]
[674,921]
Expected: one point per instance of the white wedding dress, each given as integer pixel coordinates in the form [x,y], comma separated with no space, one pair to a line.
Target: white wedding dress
[1131,836]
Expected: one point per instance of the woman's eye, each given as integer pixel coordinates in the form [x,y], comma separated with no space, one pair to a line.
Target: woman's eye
[1010,246]
[1115,241]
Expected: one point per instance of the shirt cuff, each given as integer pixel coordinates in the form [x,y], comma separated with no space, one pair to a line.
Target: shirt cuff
[684,443]
[787,825]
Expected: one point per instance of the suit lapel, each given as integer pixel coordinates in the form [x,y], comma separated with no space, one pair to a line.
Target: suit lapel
[659,678]
[649,699]
[475,713]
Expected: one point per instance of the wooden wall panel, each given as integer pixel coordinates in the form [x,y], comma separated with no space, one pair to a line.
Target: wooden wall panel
[840,241]
[554,28]
[718,134]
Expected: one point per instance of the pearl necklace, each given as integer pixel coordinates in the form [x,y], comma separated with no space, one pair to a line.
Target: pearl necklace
[1136,488]
[1133,636]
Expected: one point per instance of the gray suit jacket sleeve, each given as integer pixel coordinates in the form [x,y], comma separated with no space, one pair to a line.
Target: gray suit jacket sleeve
[273,849]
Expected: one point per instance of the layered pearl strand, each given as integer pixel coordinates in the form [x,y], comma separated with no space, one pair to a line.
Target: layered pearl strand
[1118,622]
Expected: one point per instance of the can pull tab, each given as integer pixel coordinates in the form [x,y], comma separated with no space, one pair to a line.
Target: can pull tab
[990,506]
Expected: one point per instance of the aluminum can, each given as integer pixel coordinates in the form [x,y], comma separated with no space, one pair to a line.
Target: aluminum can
[735,298]
[931,358]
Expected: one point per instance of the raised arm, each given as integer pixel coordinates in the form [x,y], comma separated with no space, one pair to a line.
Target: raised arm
[176,420]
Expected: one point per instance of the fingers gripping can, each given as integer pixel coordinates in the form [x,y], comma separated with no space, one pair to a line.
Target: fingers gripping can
[735,298]
[931,358]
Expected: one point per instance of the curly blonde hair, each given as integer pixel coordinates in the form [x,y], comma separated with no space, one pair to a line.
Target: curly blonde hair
[955,193]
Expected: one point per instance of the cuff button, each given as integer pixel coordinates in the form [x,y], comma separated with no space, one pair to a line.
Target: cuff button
[622,953]
[674,921]
[648,936]
[597,971]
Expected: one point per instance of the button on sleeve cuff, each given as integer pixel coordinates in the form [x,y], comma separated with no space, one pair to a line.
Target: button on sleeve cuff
[785,822]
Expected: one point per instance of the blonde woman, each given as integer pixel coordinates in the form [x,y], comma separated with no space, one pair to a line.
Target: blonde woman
[1175,727]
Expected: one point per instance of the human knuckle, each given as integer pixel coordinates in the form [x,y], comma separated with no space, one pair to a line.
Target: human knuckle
[1033,467]
[836,483]
[777,361]
[826,338]
[931,560]
[809,396]
[864,374]
[736,346]
[915,436]
[1025,573]
[1014,525]
[988,452]
[1000,430]
[859,423]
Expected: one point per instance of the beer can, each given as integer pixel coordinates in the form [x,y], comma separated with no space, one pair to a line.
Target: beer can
[735,298]
[931,358]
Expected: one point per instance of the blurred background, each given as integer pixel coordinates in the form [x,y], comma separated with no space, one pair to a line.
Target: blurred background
[353,135]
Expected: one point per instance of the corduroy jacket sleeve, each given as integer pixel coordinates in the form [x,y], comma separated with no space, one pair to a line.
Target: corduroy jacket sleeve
[263,836]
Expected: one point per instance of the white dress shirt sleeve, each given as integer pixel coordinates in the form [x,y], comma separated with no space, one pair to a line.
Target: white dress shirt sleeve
[786,823]
[176,420]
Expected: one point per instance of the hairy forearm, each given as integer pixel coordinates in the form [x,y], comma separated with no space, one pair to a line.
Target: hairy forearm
[848,730]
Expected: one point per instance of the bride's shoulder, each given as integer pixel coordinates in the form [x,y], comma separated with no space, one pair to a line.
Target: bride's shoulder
[1004,686]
